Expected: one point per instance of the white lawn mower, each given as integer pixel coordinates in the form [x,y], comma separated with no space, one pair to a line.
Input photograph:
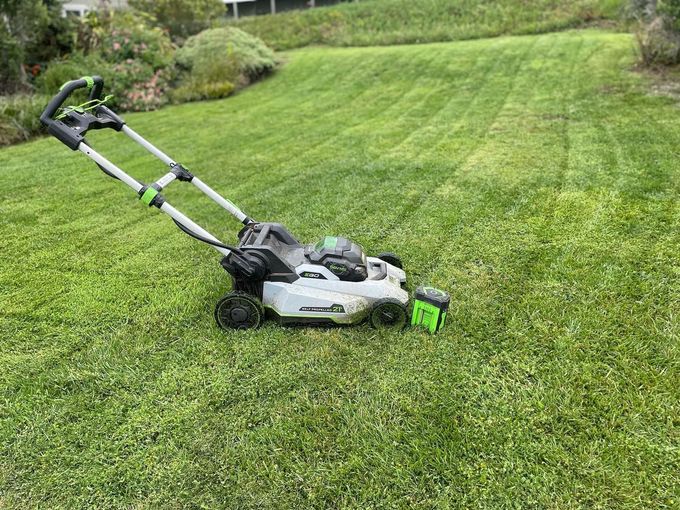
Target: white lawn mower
[331,282]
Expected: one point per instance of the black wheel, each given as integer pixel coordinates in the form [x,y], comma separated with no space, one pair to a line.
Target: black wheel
[238,310]
[388,314]
[391,258]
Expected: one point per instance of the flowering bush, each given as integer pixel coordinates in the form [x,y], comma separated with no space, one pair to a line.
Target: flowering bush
[135,60]
[137,87]
[119,35]
[138,42]
[142,60]
[143,65]
[134,84]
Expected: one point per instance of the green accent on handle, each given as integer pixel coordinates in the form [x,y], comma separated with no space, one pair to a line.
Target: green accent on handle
[88,79]
[82,108]
[148,195]
[427,315]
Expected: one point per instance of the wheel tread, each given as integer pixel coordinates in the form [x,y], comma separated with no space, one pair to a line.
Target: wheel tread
[239,296]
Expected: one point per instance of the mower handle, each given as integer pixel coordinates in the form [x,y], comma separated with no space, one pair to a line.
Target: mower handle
[94,83]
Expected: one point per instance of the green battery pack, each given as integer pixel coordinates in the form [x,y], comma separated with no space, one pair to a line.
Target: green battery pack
[429,308]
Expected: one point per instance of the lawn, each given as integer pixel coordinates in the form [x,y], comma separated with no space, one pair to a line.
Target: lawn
[533,177]
[385,22]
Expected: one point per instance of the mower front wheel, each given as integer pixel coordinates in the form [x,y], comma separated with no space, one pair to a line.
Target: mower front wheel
[239,310]
[388,314]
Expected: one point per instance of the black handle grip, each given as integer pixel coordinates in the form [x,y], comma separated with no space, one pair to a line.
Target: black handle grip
[96,82]
[97,88]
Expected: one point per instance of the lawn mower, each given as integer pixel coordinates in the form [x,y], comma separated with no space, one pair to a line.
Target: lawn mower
[331,282]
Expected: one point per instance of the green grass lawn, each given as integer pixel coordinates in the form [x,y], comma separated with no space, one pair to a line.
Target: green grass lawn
[533,177]
[385,22]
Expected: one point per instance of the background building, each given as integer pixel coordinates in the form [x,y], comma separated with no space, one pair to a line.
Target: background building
[251,7]
[82,7]
[234,8]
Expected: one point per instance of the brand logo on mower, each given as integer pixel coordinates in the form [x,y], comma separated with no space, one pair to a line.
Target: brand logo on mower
[325,309]
[337,268]
[309,274]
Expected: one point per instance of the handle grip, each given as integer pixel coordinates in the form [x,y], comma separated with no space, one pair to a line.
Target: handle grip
[94,83]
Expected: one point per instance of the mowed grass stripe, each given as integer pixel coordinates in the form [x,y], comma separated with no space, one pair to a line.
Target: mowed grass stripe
[433,175]
[466,176]
[547,213]
[329,101]
[361,184]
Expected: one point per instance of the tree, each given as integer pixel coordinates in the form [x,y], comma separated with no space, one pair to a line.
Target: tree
[21,21]
[57,36]
[670,9]
[182,18]
[659,31]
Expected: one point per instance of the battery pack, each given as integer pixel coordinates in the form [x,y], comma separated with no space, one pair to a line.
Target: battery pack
[429,308]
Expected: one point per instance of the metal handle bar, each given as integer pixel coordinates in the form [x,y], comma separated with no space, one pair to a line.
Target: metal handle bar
[94,83]
[72,136]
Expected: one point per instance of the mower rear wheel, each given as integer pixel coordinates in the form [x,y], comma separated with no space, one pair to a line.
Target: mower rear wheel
[239,310]
[391,258]
[388,314]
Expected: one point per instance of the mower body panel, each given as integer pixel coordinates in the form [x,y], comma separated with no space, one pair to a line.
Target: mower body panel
[326,299]
[330,282]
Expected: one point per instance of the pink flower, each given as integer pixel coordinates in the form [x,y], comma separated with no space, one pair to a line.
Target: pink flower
[116,46]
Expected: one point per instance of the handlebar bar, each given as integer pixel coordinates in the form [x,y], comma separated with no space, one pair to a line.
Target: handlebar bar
[71,130]
[94,83]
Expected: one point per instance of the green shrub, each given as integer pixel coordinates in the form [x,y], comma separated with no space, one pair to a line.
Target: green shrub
[192,91]
[70,68]
[670,9]
[658,33]
[659,43]
[217,61]
[228,47]
[19,117]
[138,65]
